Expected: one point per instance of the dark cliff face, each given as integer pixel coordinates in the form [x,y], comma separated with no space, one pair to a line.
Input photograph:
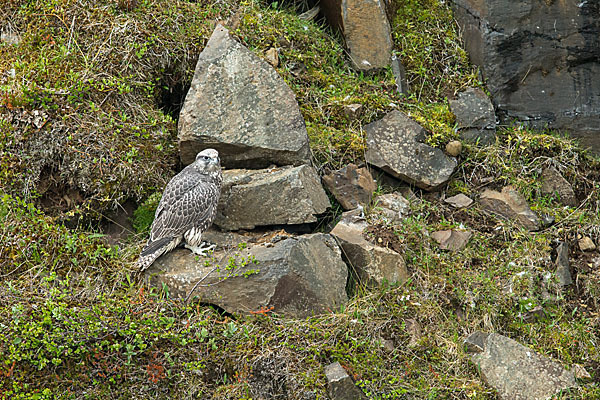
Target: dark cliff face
[541,60]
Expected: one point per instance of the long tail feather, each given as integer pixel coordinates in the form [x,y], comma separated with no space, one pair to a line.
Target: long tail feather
[155,249]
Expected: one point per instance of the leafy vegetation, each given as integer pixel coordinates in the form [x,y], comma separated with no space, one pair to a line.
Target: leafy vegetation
[84,126]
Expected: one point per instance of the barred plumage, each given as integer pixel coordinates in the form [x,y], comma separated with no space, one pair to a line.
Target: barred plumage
[187,209]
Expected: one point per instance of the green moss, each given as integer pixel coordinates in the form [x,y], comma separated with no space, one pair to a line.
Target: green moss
[143,216]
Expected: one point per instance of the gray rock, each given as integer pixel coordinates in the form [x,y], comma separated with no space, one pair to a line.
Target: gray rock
[515,371]
[373,264]
[10,38]
[554,184]
[539,60]
[366,30]
[239,105]
[296,276]
[451,239]
[511,205]
[351,186]
[340,385]
[475,116]
[396,145]
[394,206]
[275,196]
[562,264]
[353,111]
[459,201]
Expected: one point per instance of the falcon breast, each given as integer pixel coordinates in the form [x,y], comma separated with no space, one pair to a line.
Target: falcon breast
[187,209]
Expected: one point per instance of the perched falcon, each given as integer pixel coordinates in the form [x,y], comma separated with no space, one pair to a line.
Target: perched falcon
[187,209]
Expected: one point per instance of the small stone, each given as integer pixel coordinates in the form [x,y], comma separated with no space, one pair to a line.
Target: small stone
[340,385]
[554,184]
[10,38]
[459,201]
[353,111]
[272,57]
[475,116]
[451,239]
[454,148]
[580,372]
[393,206]
[414,330]
[400,76]
[586,244]
[351,186]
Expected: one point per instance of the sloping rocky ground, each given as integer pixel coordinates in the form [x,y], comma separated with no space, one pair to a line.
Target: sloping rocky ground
[460,271]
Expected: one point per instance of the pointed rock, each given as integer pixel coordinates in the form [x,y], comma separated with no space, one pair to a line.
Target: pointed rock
[554,184]
[515,371]
[562,264]
[372,264]
[459,201]
[351,186]
[510,204]
[239,105]
[586,244]
[340,385]
[297,276]
[396,145]
[274,196]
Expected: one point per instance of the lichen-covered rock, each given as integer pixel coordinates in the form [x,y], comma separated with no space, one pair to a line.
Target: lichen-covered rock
[274,196]
[539,60]
[351,186]
[366,30]
[395,144]
[297,276]
[373,264]
[511,205]
[239,105]
[515,371]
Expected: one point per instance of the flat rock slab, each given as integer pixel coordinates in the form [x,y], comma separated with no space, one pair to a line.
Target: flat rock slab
[297,276]
[451,239]
[475,116]
[351,186]
[340,385]
[554,184]
[239,105]
[511,205]
[459,201]
[395,144]
[274,196]
[373,264]
[366,30]
[516,371]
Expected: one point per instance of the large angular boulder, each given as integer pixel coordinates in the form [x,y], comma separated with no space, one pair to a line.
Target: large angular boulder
[274,196]
[395,144]
[510,204]
[239,105]
[366,30]
[351,186]
[515,371]
[372,264]
[297,276]
[475,116]
[540,60]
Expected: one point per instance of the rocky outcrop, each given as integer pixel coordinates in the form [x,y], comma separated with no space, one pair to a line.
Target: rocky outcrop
[366,30]
[540,59]
[340,385]
[274,196]
[396,145]
[475,116]
[515,371]
[372,264]
[239,105]
[351,186]
[510,204]
[297,276]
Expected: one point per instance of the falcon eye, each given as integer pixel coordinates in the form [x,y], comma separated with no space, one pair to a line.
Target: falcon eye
[206,158]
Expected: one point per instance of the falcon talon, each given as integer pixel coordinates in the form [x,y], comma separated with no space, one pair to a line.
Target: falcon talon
[187,209]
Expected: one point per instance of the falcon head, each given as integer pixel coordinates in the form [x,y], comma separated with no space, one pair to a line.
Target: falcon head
[208,161]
